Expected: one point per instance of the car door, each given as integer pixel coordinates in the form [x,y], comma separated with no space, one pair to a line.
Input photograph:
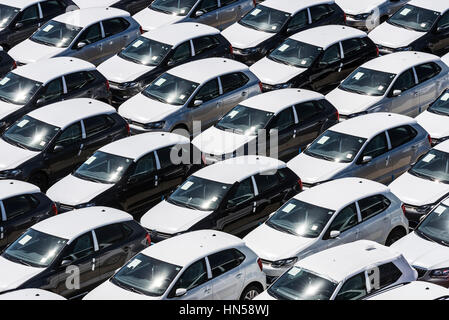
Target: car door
[355,53]
[26,22]
[234,91]
[403,149]
[326,73]
[209,104]
[207,12]
[375,223]
[230,11]
[382,276]
[79,85]
[98,132]
[180,54]
[171,175]
[115,37]
[311,119]
[427,87]
[52,8]
[353,288]
[285,125]
[206,47]
[51,93]
[271,195]
[346,222]
[321,14]
[406,103]
[89,45]
[439,43]
[299,22]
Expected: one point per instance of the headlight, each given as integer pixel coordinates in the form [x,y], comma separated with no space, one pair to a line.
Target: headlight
[250,51]
[423,209]
[129,85]
[283,86]
[85,205]
[409,48]
[155,125]
[364,16]
[10,173]
[2,124]
[284,263]
[440,273]
[358,114]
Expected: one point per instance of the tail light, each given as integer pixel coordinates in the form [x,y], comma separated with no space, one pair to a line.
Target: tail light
[108,87]
[255,2]
[14,65]
[141,30]
[203,158]
[377,50]
[128,129]
[148,239]
[337,114]
[260,86]
[259,262]
[430,139]
[403,209]
[300,184]
[54,208]
[344,16]
[231,49]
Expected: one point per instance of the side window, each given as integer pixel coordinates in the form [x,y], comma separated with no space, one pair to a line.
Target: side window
[91,35]
[225,261]
[17,206]
[145,165]
[114,26]
[243,193]
[444,21]
[427,71]
[29,15]
[332,54]
[372,206]
[266,182]
[52,8]
[109,235]
[207,6]
[182,52]
[209,91]
[388,274]
[307,111]
[320,12]
[225,3]
[346,219]
[164,156]
[401,135]
[353,289]
[97,124]
[376,147]
[298,21]
[405,81]
[78,80]
[203,44]
[352,47]
[53,90]
[70,135]
[233,81]
[80,248]
[193,276]
[283,120]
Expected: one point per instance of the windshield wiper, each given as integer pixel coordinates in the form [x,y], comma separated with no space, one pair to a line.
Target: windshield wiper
[423,235]
[420,175]
[161,10]
[319,156]
[438,112]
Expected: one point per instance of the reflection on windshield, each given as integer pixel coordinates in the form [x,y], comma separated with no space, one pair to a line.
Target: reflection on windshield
[7,14]
[177,7]
[17,89]
[170,89]
[265,19]
[245,120]
[146,51]
[295,53]
[368,82]
[56,34]
[434,166]
[415,18]
[441,106]
[436,225]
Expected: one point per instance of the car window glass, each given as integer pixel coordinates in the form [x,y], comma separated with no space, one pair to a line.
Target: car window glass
[307,111]
[346,218]
[372,206]
[203,44]
[401,135]
[388,275]
[427,71]
[444,21]
[53,90]
[146,165]
[233,81]
[52,8]
[78,80]
[80,248]
[283,120]
[353,289]
[332,54]
[165,158]
[95,125]
[266,182]
[243,193]
[207,6]
[70,135]
[182,52]
[405,81]
[91,34]
[17,206]
[299,20]
[320,12]
[114,26]
[227,2]
[224,261]
[352,47]
[193,276]
[29,15]
[209,91]
[109,235]
[376,147]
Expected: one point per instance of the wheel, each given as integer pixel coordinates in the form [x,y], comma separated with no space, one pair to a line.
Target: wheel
[40,180]
[394,236]
[250,292]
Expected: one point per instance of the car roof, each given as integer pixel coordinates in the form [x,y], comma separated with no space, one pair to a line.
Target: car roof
[238,169]
[203,70]
[86,17]
[399,62]
[94,3]
[175,34]
[325,36]
[49,69]
[73,224]
[189,247]
[12,188]
[31,294]
[370,125]
[435,5]
[277,100]
[345,260]
[341,192]
[135,147]
[416,290]
[443,146]
[293,6]
[19,3]
[64,113]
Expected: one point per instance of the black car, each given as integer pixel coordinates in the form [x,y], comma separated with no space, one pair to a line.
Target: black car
[132,6]
[48,143]
[6,63]
[19,23]
[22,206]
[276,22]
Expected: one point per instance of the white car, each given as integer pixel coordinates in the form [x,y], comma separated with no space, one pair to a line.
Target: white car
[416,290]
[351,271]
[403,82]
[31,294]
[351,209]
[201,265]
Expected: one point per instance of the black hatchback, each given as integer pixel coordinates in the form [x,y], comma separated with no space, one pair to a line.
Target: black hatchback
[6,63]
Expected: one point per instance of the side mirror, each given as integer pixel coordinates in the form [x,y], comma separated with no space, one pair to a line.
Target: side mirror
[397,93]
[197,103]
[180,292]
[171,63]
[230,206]
[441,29]
[66,262]
[18,25]
[131,180]
[40,101]
[199,13]
[422,218]
[58,148]
[81,45]
[335,234]
[367,159]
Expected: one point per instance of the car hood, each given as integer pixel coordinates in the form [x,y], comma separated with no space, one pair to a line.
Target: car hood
[120,70]
[150,19]
[313,170]
[357,7]
[348,103]
[11,156]
[218,142]
[8,108]
[436,125]
[270,244]
[391,36]
[271,72]
[242,37]
[73,191]
[144,110]
[422,253]
[168,218]
[109,291]
[264,296]
[14,274]
[29,52]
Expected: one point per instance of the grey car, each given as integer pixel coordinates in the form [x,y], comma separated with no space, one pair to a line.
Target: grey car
[203,90]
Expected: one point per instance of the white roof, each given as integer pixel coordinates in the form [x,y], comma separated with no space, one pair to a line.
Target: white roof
[293,6]
[49,69]
[94,3]
[342,261]
[443,146]
[175,34]
[325,36]
[277,100]
[190,247]
[19,3]
[341,192]
[238,169]
[416,290]
[12,188]
[64,113]
[86,17]
[370,125]
[435,5]
[399,62]
[135,147]
[74,223]
[31,294]
[203,70]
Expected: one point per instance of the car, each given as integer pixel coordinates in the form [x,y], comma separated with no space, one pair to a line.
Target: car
[93,34]
[426,248]
[200,265]
[416,290]
[352,271]
[233,196]
[420,25]
[317,59]
[366,15]
[157,51]
[218,14]
[19,19]
[30,87]
[89,243]
[352,209]
[7,63]
[200,91]
[377,146]
[445,59]
[299,116]
[131,174]
[21,205]
[48,143]
[132,6]
[31,294]
[270,23]
[402,82]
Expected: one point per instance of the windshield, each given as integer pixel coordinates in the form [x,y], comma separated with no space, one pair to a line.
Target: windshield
[170,89]
[441,106]
[146,51]
[103,167]
[35,249]
[300,219]
[368,82]
[17,89]
[56,34]
[146,275]
[295,53]
[300,284]
[436,225]
[415,18]
[7,14]
[434,166]
[335,146]
[245,120]
[265,19]
[176,7]
[200,194]
[30,133]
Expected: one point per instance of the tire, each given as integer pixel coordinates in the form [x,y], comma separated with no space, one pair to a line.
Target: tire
[40,180]
[250,292]
[394,236]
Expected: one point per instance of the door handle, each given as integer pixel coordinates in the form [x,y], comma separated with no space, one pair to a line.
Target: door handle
[93,264]
[207,290]
[126,249]
[238,276]
[244,93]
